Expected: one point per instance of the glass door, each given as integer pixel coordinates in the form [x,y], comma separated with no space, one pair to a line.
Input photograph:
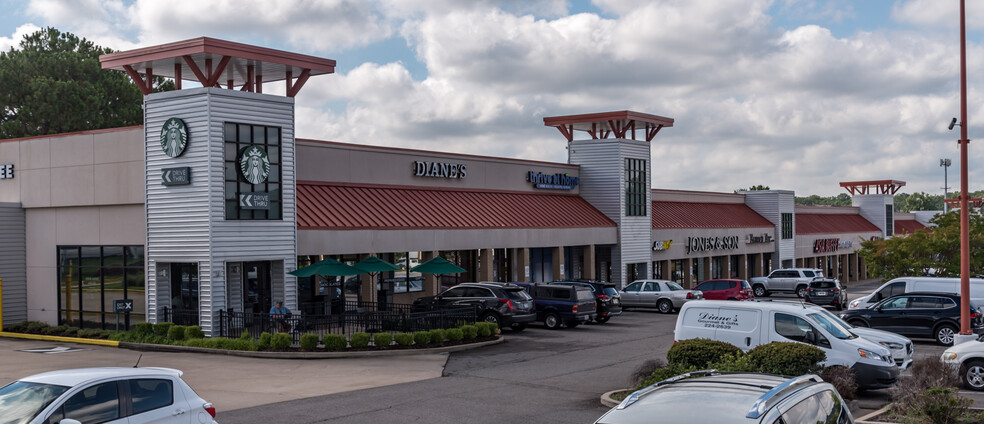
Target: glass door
[184,293]
[257,290]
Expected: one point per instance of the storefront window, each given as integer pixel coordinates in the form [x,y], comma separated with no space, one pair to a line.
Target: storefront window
[787,226]
[677,270]
[239,137]
[636,187]
[90,278]
[889,220]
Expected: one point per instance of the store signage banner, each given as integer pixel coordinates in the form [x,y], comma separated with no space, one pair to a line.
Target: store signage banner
[554,182]
[174,137]
[759,238]
[254,201]
[6,171]
[826,245]
[176,176]
[439,170]
[660,246]
[702,244]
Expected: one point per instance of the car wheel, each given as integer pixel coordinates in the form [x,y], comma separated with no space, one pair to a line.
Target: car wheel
[572,323]
[973,375]
[602,320]
[944,334]
[665,306]
[518,327]
[552,321]
[760,291]
[493,318]
[858,323]
[801,291]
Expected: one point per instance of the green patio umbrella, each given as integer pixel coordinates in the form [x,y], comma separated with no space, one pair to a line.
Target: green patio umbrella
[437,265]
[329,267]
[373,264]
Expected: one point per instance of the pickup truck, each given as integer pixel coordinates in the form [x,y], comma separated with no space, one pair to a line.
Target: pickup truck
[560,304]
[789,280]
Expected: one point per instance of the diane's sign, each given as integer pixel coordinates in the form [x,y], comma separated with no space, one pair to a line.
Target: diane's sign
[759,238]
[555,181]
[439,170]
[713,320]
[6,171]
[660,246]
[702,244]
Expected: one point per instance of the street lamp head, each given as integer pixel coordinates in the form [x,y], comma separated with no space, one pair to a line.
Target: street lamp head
[944,162]
[952,123]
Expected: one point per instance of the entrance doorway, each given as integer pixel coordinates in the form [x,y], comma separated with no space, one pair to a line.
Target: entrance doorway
[184,293]
[257,290]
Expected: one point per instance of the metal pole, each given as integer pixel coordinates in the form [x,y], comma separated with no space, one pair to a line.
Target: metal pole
[964,209]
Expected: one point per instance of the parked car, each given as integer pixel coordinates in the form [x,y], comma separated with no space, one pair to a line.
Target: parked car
[732,398]
[968,357]
[755,323]
[505,304]
[897,286]
[788,280]
[725,290]
[827,291]
[609,303]
[660,294]
[104,395]
[556,304]
[916,314]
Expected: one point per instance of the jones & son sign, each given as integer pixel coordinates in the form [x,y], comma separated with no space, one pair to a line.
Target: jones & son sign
[555,181]
[702,244]
[439,170]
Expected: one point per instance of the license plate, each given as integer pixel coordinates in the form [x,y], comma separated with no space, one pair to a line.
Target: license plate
[821,293]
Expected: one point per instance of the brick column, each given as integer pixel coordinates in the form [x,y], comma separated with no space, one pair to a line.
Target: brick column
[688,268]
[367,284]
[431,287]
[707,269]
[557,262]
[484,264]
[743,266]
[522,264]
[589,263]
[664,271]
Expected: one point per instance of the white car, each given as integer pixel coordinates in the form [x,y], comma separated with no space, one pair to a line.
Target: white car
[969,358]
[104,395]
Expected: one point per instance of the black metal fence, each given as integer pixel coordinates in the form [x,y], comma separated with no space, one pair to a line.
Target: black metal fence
[178,317]
[351,317]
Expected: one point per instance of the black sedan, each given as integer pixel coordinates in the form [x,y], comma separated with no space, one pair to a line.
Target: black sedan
[917,314]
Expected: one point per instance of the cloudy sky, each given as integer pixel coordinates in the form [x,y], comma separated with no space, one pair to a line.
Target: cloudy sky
[793,94]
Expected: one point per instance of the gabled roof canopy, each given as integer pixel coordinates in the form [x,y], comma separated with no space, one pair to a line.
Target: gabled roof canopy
[217,63]
[620,124]
[878,187]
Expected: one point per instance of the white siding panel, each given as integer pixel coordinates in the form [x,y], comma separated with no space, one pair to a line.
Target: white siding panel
[13,262]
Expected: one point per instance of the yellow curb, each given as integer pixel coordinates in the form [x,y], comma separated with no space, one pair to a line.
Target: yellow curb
[100,342]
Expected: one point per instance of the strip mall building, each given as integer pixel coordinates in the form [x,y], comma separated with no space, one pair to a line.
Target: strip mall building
[210,203]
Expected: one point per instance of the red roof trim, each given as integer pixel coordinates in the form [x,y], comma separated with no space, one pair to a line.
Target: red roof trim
[553,121]
[431,152]
[908,226]
[217,47]
[825,223]
[99,131]
[706,215]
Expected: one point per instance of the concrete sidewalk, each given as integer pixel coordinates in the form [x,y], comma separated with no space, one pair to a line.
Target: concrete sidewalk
[230,382]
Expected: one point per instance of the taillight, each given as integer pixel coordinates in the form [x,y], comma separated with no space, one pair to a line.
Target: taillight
[835,290]
[690,295]
[508,302]
[603,297]
[975,315]
[574,309]
[209,408]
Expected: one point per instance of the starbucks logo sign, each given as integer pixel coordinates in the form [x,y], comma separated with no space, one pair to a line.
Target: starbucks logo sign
[254,164]
[174,137]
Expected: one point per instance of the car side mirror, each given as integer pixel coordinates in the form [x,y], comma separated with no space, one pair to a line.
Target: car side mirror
[879,309]
[811,337]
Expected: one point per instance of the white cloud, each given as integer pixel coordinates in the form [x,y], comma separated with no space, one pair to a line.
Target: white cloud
[6,43]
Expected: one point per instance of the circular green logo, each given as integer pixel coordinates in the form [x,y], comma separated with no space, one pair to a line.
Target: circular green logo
[174,137]
[254,164]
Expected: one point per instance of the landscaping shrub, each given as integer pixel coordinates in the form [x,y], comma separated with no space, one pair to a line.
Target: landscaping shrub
[162,328]
[195,342]
[246,336]
[382,339]
[738,362]
[437,335]
[455,334]
[176,332]
[787,358]
[469,331]
[193,332]
[280,341]
[923,375]
[90,333]
[52,331]
[212,343]
[309,342]
[646,369]
[264,341]
[242,344]
[483,329]
[842,378]
[144,328]
[660,374]
[36,327]
[403,339]
[699,353]
[937,405]
[335,342]
[360,340]
[421,338]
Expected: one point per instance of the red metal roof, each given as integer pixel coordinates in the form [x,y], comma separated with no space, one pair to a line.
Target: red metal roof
[706,215]
[337,206]
[907,226]
[823,223]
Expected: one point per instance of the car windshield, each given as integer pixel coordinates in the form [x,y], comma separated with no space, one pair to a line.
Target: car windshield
[584,295]
[21,401]
[744,285]
[822,284]
[611,291]
[835,326]
[517,295]
[673,286]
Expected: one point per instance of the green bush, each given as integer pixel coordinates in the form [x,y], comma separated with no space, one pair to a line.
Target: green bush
[280,341]
[90,333]
[144,328]
[309,342]
[437,335]
[264,341]
[176,332]
[403,339]
[195,342]
[421,338]
[455,334]
[162,328]
[212,343]
[484,329]
[382,339]
[937,405]
[787,358]
[71,331]
[469,331]
[36,327]
[193,332]
[241,344]
[246,336]
[360,340]
[664,372]
[51,331]
[738,362]
[335,342]
[699,353]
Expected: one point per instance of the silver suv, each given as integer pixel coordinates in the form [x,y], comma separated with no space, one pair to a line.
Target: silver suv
[732,398]
[789,280]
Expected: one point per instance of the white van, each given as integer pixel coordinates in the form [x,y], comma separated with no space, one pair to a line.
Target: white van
[902,285]
[753,323]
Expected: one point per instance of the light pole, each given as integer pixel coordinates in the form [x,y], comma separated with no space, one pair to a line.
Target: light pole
[945,163]
[965,333]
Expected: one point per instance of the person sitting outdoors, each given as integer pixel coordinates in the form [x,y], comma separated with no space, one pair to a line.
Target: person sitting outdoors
[279,314]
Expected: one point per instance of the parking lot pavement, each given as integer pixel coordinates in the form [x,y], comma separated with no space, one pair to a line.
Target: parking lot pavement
[229,382]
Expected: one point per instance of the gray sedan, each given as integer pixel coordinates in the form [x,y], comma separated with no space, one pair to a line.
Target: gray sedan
[660,294]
